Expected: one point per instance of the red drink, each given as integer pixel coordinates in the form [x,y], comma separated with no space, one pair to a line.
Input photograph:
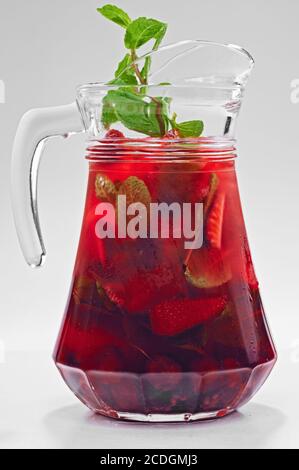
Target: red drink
[153,328]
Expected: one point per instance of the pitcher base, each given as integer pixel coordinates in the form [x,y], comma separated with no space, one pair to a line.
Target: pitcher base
[171,417]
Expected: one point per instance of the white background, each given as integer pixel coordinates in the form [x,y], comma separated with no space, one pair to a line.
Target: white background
[46,49]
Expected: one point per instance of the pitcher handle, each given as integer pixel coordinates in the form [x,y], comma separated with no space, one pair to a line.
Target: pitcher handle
[35,127]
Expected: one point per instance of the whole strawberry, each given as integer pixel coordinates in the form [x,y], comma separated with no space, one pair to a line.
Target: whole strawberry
[173,317]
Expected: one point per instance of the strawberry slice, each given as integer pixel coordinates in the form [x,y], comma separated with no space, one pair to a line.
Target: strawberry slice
[214,222]
[135,190]
[213,185]
[206,267]
[172,317]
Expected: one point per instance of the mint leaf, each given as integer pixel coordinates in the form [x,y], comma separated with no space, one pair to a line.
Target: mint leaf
[124,75]
[115,14]
[123,65]
[108,114]
[189,128]
[146,68]
[143,30]
[136,112]
[160,35]
[125,79]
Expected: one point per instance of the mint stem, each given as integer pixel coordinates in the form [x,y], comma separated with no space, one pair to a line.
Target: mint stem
[136,68]
[143,81]
[159,116]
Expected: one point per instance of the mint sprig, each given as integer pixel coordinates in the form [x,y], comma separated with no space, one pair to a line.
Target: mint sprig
[131,104]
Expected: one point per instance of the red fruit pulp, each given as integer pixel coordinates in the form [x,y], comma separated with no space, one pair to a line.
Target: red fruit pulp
[150,326]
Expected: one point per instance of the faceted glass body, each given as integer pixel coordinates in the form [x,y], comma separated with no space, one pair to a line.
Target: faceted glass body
[155,331]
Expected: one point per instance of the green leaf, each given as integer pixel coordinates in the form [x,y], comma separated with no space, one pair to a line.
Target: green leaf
[136,112]
[160,36]
[108,114]
[123,65]
[115,14]
[143,30]
[124,75]
[124,80]
[146,68]
[189,128]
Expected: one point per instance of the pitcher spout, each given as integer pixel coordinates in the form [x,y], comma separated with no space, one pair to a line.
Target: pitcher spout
[201,62]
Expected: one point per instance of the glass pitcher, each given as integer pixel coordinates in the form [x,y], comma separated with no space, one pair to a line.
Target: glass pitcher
[164,321]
